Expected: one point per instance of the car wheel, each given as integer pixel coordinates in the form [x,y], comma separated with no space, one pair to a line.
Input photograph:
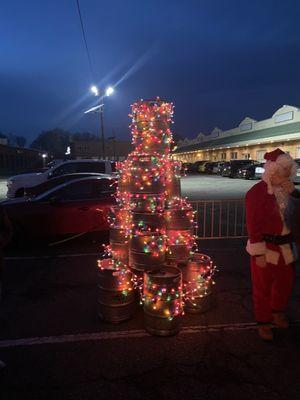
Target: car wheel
[19,193]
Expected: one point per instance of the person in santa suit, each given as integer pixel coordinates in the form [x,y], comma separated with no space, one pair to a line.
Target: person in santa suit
[270,242]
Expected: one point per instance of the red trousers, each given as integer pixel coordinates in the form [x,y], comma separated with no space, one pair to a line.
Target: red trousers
[271,288]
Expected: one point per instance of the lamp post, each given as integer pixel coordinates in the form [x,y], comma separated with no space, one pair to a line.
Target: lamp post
[100,108]
[102,130]
[113,138]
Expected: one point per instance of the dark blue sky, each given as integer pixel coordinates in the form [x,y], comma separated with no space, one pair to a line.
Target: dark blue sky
[217,60]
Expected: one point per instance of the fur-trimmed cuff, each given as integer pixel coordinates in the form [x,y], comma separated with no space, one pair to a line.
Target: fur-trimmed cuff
[255,249]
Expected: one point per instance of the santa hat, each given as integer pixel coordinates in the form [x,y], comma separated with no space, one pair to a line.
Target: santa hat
[276,161]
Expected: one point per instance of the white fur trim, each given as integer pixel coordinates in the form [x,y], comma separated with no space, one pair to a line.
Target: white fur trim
[272,167]
[255,249]
[272,257]
[285,160]
[287,253]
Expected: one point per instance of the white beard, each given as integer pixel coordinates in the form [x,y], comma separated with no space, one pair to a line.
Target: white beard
[282,198]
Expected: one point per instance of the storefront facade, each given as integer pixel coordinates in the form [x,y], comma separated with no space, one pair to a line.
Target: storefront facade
[250,140]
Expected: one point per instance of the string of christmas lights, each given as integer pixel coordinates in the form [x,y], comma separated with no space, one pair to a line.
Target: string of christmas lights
[151,228]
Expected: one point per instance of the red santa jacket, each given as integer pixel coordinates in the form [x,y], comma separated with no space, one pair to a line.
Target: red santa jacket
[263,217]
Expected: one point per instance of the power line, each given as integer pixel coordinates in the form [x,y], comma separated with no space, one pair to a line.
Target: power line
[84,39]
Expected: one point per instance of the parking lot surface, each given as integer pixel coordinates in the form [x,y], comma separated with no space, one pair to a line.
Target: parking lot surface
[214,187]
[55,347]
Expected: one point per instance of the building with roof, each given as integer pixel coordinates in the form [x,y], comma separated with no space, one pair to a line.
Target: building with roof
[17,159]
[249,140]
[116,150]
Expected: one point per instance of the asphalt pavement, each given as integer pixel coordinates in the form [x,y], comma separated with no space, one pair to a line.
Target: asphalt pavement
[55,347]
[214,187]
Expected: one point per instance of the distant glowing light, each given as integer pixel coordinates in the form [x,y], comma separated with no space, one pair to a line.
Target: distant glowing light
[94,90]
[109,91]
[68,151]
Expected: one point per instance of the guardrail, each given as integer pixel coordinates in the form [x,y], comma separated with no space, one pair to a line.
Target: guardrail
[220,219]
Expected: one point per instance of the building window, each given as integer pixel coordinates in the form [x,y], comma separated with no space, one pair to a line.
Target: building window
[246,127]
[284,117]
[260,155]
[246,156]
[233,155]
[223,156]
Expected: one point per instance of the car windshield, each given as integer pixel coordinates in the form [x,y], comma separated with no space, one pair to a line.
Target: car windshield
[82,190]
[73,167]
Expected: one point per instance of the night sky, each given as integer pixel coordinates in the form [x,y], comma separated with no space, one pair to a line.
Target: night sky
[217,60]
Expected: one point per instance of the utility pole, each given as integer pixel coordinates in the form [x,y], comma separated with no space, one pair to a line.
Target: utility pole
[102,131]
[100,109]
[114,144]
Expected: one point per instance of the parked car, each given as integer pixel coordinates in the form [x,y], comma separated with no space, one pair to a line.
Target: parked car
[231,168]
[215,168]
[187,167]
[52,183]
[220,167]
[248,172]
[195,166]
[297,176]
[16,184]
[259,170]
[77,206]
[208,168]
[201,167]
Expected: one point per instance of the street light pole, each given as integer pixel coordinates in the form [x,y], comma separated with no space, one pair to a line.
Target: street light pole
[102,131]
[114,144]
[100,109]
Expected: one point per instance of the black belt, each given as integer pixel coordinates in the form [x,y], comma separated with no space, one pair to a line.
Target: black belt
[278,239]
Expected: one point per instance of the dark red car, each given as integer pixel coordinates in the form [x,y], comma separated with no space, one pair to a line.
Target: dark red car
[74,207]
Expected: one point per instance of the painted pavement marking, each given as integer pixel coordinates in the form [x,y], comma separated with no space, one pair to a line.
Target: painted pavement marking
[126,334]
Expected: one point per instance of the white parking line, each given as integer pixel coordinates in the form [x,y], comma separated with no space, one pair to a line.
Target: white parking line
[99,336]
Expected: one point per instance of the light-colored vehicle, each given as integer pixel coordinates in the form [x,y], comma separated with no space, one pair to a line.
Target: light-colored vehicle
[297,176]
[259,170]
[216,167]
[17,184]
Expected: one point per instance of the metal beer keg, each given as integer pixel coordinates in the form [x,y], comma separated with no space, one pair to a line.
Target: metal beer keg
[116,297]
[163,301]
[197,283]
